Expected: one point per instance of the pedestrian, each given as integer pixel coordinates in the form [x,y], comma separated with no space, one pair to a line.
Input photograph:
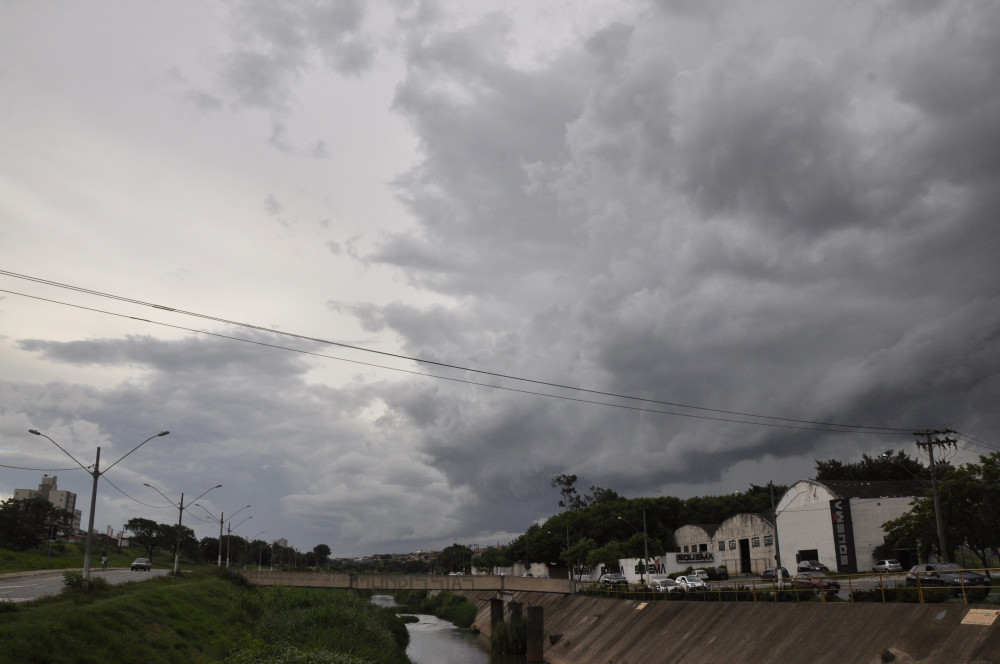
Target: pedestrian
[104,562]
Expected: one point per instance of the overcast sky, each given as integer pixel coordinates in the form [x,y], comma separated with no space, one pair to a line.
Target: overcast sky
[777,208]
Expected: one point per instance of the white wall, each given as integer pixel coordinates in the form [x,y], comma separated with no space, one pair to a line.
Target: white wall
[804,523]
[868,515]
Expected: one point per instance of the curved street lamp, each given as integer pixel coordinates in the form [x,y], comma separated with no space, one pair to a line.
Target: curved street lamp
[229,534]
[180,517]
[96,474]
[221,519]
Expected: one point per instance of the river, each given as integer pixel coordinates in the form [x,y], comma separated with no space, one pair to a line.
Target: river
[436,641]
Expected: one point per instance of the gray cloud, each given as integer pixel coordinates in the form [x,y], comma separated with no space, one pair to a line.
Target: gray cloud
[760,227]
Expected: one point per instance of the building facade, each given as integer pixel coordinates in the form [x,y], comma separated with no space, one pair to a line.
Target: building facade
[839,523]
[48,490]
[745,544]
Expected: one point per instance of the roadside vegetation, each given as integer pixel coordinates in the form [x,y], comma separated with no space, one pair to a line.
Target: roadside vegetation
[206,616]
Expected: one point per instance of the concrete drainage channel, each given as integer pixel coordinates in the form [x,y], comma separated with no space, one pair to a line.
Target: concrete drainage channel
[589,630]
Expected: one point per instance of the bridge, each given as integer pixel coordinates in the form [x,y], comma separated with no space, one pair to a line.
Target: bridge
[393,582]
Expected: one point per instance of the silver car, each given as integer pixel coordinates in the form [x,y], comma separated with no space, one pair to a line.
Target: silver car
[889,565]
[663,585]
[690,583]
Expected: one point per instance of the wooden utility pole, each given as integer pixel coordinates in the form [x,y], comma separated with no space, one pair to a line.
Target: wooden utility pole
[931,440]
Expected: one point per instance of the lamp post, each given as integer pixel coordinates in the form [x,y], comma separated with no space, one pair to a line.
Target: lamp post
[645,542]
[221,519]
[229,534]
[96,474]
[180,518]
[258,548]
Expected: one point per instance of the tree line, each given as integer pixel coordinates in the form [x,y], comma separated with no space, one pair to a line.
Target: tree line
[27,523]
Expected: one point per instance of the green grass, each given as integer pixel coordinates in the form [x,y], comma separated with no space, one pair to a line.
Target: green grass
[202,617]
[70,556]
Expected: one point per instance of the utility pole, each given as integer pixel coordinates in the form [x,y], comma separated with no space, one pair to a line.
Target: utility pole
[931,441]
[777,547]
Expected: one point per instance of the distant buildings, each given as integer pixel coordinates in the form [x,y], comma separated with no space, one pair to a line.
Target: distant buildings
[64,500]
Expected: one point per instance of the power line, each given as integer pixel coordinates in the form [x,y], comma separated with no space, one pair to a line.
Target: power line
[818,427]
[46,470]
[851,428]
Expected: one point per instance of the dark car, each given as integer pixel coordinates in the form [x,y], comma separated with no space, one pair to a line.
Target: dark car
[613,579]
[816,580]
[718,573]
[947,575]
[142,563]
[771,573]
[812,566]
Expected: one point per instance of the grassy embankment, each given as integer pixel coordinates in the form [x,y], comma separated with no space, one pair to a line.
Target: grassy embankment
[203,617]
[70,556]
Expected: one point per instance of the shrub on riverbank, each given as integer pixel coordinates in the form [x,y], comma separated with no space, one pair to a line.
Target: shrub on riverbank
[445,605]
[199,619]
[509,638]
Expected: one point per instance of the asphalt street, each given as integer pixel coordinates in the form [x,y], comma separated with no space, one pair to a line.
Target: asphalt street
[25,587]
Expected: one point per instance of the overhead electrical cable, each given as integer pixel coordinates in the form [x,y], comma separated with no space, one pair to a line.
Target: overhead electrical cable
[812,424]
[458,380]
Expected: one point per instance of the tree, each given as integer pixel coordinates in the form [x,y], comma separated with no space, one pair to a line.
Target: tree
[567,489]
[489,560]
[208,549]
[25,523]
[571,500]
[322,553]
[606,556]
[576,556]
[969,495]
[147,533]
[455,558]
[888,466]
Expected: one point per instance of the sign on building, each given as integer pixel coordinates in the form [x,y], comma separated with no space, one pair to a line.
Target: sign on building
[843,535]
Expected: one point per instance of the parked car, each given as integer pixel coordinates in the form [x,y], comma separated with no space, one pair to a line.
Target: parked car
[613,579]
[889,565]
[142,563]
[771,573]
[816,580]
[662,585]
[945,574]
[718,573]
[690,583]
[700,574]
[812,566]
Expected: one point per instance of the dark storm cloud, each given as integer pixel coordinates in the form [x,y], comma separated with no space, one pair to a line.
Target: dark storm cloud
[781,222]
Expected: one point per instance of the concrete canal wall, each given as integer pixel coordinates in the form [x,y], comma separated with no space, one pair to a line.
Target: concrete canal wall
[589,630]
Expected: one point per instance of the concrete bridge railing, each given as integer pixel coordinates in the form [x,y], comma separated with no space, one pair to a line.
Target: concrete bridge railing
[392,582]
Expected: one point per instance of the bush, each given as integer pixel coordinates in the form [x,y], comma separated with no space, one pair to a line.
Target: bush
[510,638]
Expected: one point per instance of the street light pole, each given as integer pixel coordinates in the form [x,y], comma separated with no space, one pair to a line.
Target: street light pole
[229,534]
[222,519]
[180,519]
[96,474]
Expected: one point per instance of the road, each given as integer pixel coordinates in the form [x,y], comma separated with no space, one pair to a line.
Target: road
[31,586]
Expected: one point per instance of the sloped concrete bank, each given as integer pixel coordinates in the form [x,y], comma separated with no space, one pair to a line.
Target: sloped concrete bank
[589,630]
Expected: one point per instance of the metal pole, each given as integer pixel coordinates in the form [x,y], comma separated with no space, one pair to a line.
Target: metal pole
[223,514]
[645,542]
[90,526]
[177,542]
[777,545]
[937,506]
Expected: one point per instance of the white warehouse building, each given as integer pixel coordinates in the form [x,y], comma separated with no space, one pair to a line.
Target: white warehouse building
[839,523]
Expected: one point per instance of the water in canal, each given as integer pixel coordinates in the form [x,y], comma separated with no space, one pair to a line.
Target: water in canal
[436,641]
